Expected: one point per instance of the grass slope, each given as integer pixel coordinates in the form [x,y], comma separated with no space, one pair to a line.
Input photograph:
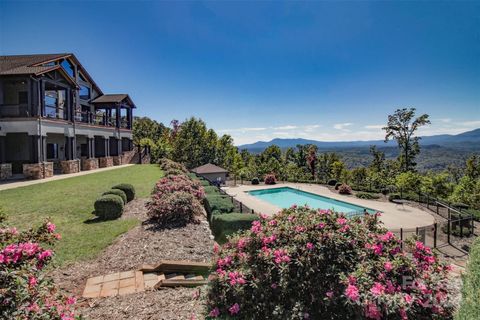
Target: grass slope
[470,305]
[69,203]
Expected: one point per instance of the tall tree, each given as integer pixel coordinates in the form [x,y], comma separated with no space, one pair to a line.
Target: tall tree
[401,127]
[312,159]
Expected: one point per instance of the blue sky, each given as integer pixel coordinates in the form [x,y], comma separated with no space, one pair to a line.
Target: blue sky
[258,70]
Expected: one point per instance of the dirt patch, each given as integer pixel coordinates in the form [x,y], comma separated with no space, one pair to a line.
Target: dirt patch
[143,244]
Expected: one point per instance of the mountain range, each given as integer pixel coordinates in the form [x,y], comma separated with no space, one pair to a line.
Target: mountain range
[469,140]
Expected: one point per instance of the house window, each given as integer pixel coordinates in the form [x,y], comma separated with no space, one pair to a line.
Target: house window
[55,103]
[84,92]
[68,67]
[52,150]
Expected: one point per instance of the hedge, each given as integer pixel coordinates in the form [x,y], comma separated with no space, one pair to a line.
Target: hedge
[109,207]
[117,192]
[469,306]
[367,195]
[224,225]
[128,189]
[218,204]
[211,190]
[205,183]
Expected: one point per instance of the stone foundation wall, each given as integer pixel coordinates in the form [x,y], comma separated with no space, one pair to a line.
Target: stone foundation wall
[117,160]
[89,164]
[5,171]
[70,166]
[38,170]
[105,162]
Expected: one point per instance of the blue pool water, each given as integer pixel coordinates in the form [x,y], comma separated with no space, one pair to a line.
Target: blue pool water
[285,197]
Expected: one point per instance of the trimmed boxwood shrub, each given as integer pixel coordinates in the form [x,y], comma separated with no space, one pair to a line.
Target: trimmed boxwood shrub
[337,185]
[109,207]
[192,175]
[204,182]
[215,204]
[332,182]
[255,181]
[224,225]
[344,189]
[211,190]
[316,264]
[128,189]
[366,195]
[117,192]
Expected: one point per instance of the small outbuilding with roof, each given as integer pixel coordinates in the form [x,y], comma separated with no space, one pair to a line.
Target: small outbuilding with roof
[212,172]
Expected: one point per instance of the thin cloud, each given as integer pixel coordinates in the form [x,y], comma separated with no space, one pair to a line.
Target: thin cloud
[342,126]
[288,127]
[374,126]
[473,123]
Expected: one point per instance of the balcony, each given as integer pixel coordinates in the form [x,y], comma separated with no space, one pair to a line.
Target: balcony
[14,111]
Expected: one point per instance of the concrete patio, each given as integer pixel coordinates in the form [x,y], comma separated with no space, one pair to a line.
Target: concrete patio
[393,216]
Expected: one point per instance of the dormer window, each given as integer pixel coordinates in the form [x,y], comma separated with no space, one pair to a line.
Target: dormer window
[68,67]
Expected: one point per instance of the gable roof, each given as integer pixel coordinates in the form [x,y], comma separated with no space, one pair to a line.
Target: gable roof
[209,168]
[32,64]
[113,98]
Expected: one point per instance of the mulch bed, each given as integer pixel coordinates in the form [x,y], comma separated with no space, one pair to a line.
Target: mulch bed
[144,244]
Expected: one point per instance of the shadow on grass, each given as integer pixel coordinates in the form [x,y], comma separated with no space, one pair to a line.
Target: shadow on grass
[94,219]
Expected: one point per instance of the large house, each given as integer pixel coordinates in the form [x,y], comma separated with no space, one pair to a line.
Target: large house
[54,118]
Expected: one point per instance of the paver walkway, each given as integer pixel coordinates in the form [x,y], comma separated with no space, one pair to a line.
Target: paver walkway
[16,184]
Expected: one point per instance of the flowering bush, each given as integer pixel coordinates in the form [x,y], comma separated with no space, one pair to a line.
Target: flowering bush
[345,189]
[25,292]
[318,264]
[183,183]
[270,179]
[175,209]
[167,164]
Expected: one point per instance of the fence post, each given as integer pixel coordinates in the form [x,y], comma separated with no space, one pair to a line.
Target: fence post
[435,235]
[241,207]
[428,201]
[416,231]
[461,228]
[448,231]
[401,237]
[253,211]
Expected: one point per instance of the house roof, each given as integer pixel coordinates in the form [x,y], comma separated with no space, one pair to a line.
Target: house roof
[113,98]
[209,168]
[33,64]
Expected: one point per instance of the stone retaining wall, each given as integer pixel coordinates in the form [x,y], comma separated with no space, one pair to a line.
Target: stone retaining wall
[105,162]
[117,160]
[5,171]
[70,166]
[38,170]
[89,164]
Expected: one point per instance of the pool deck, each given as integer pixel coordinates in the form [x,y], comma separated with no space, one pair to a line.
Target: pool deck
[393,216]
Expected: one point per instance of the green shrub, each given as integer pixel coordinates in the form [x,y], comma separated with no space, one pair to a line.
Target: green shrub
[192,175]
[174,172]
[224,225]
[332,182]
[109,207]
[337,185]
[469,306]
[460,205]
[394,196]
[367,195]
[128,189]
[474,213]
[205,183]
[218,204]
[211,190]
[255,181]
[117,192]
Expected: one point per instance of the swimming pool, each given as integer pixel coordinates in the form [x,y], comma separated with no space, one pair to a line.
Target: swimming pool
[285,197]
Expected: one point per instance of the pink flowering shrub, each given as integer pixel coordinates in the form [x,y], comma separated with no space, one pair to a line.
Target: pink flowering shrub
[183,183]
[317,264]
[270,179]
[345,189]
[169,165]
[175,209]
[25,292]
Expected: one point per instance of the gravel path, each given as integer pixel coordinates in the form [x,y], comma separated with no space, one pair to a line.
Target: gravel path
[142,245]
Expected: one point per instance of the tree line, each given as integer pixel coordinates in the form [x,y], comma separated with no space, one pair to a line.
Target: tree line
[193,144]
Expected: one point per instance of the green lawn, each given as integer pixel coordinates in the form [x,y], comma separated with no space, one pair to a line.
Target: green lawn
[69,203]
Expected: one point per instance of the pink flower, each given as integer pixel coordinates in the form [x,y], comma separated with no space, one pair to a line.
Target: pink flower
[378,248]
[310,246]
[321,225]
[329,294]
[51,227]
[33,307]
[58,236]
[32,281]
[281,255]
[352,292]
[234,309]
[377,289]
[341,221]
[408,298]
[372,312]
[73,300]
[263,216]
[256,227]
[214,313]
[274,286]
[388,266]
[268,240]
[387,236]
[272,222]
[300,229]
